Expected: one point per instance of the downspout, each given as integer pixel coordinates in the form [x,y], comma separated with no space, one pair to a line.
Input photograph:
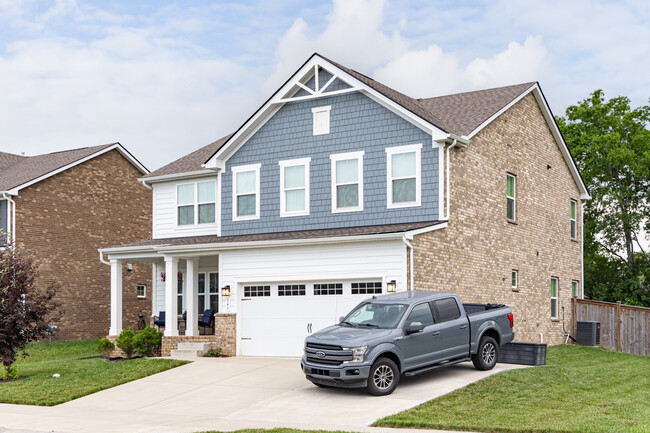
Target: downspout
[101,258]
[13,217]
[410,246]
[582,248]
[144,182]
[453,144]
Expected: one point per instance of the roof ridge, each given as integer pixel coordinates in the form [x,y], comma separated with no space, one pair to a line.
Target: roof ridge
[100,146]
[477,91]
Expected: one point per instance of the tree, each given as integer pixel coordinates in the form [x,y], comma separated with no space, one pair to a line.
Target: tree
[24,308]
[610,143]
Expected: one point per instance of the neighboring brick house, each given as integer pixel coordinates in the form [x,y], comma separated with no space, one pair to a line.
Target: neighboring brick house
[63,206]
[339,188]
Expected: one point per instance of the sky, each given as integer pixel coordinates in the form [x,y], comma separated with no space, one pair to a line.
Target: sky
[165,78]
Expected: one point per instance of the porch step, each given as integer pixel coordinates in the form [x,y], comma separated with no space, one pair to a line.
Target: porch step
[190,350]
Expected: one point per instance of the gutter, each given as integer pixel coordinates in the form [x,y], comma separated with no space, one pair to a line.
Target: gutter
[411,267]
[6,196]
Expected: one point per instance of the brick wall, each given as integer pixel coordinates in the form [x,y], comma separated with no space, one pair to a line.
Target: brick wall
[224,337]
[64,219]
[475,255]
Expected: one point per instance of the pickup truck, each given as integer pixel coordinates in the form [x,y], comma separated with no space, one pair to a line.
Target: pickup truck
[405,333]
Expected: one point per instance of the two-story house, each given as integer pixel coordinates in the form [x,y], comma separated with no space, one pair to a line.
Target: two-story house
[339,188]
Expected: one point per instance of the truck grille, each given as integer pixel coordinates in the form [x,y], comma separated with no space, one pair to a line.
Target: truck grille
[325,354]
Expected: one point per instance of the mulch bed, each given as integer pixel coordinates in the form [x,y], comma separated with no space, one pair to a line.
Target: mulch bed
[13,380]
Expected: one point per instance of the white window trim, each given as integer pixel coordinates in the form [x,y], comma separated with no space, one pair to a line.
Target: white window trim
[206,290]
[516,285]
[145,291]
[315,111]
[196,204]
[342,157]
[514,198]
[557,293]
[241,169]
[574,220]
[390,151]
[294,163]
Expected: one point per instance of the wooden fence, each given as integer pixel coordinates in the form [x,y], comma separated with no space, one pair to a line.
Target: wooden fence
[624,328]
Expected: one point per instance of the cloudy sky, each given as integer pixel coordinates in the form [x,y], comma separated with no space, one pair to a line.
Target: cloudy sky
[165,78]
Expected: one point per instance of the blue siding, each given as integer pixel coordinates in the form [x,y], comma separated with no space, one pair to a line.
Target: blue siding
[356,123]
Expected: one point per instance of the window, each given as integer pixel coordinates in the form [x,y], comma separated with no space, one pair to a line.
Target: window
[245,192]
[321,120]
[574,289]
[142,291]
[574,223]
[511,192]
[328,289]
[252,291]
[291,290]
[553,298]
[347,182]
[209,298]
[4,221]
[447,309]
[179,292]
[366,288]
[420,313]
[514,279]
[196,202]
[294,187]
[404,176]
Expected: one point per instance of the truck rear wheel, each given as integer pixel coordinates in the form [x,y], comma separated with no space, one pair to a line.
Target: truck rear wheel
[383,378]
[487,354]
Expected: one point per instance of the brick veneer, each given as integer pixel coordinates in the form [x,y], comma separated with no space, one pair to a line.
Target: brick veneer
[224,337]
[64,219]
[475,255]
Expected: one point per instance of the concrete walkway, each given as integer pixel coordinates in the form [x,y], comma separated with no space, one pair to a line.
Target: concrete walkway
[234,393]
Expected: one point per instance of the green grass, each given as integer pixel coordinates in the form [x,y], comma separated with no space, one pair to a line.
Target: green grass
[79,377]
[581,389]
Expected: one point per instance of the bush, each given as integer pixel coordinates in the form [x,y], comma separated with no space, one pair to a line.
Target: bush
[125,342]
[215,353]
[9,373]
[105,346]
[147,342]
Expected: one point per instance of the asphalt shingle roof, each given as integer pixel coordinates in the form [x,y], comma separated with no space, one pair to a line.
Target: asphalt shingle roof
[26,168]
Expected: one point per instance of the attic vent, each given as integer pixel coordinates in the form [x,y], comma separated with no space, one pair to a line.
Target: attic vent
[321,120]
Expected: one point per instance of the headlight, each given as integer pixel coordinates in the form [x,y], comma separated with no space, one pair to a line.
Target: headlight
[357,353]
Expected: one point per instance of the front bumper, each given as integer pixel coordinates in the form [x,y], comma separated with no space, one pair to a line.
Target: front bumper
[352,375]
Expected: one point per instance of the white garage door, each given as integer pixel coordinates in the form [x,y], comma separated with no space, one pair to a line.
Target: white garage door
[276,318]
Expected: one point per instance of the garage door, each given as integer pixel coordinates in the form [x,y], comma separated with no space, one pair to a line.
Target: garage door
[276,318]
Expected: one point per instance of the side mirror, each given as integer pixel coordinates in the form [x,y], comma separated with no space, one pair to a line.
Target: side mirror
[414,328]
[341,319]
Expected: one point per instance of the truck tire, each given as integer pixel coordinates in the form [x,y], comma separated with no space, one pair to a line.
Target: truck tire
[383,378]
[487,354]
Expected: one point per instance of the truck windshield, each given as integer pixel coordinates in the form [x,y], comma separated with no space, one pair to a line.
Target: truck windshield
[375,315]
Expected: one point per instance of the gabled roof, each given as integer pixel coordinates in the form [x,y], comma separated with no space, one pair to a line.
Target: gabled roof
[21,171]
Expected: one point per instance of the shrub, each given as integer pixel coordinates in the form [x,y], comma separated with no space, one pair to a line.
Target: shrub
[105,346]
[213,353]
[147,342]
[9,373]
[125,342]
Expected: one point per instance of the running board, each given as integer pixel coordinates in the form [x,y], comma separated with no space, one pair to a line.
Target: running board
[433,367]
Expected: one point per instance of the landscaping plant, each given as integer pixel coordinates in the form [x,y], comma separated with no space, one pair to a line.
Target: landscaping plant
[147,342]
[125,342]
[24,307]
[105,346]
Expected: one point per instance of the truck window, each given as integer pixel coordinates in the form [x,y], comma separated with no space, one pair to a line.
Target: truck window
[421,313]
[447,309]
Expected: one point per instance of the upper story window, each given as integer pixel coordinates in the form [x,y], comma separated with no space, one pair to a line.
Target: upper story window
[574,221]
[511,191]
[347,182]
[553,298]
[404,176]
[321,120]
[514,277]
[294,187]
[196,203]
[245,192]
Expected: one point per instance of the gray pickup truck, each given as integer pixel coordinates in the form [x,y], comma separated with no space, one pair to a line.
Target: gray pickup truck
[405,333]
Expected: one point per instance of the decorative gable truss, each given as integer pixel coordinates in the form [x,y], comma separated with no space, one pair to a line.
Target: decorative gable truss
[318,82]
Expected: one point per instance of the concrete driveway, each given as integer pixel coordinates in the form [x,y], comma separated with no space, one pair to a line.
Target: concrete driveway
[233,393]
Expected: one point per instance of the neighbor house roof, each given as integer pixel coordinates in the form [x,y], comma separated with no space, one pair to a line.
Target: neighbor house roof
[20,171]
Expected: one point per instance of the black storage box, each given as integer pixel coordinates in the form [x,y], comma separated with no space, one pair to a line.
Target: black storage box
[518,352]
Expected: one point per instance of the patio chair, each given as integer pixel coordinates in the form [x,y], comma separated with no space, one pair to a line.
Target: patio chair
[207,320]
[160,321]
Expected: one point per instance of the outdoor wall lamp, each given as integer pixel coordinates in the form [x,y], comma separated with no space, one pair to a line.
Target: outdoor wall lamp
[391,286]
[225,291]
[129,267]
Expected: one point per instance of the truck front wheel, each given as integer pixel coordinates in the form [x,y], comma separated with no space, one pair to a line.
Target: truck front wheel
[487,354]
[383,378]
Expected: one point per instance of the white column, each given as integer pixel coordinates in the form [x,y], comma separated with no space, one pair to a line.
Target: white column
[116,297]
[171,296]
[192,325]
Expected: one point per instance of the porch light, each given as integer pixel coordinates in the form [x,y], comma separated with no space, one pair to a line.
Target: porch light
[391,286]
[225,291]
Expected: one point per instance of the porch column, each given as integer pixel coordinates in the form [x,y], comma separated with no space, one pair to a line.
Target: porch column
[192,284]
[171,296]
[116,297]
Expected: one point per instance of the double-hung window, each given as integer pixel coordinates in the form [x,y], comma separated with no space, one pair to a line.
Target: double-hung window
[196,202]
[404,176]
[246,192]
[511,191]
[294,187]
[554,298]
[574,220]
[347,182]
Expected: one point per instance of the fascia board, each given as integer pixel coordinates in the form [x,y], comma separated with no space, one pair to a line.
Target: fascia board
[178,176]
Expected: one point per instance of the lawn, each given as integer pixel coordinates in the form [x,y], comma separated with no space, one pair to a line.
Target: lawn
[79,377]
[581,389]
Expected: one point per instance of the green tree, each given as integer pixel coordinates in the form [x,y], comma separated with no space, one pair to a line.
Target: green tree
[610,143]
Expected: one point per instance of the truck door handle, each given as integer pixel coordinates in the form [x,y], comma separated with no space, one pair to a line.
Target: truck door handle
[463,327]
[435,334]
